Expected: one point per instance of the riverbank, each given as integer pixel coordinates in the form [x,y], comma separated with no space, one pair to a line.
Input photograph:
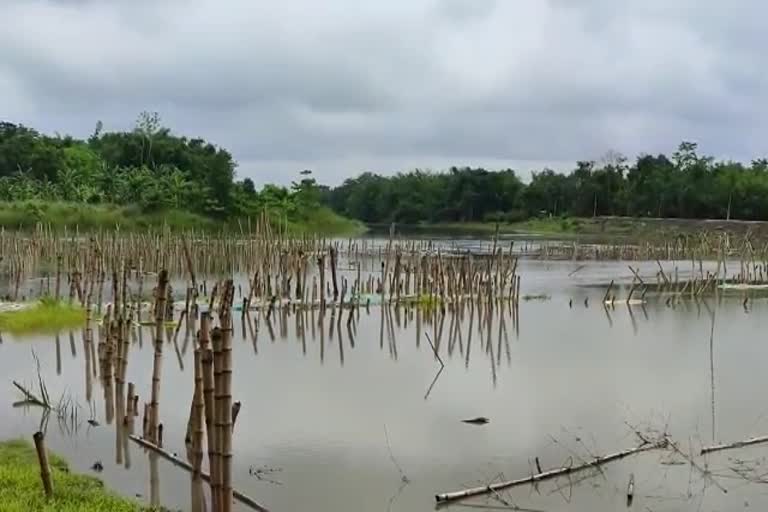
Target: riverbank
[595,227]
[82,216]
[21,489]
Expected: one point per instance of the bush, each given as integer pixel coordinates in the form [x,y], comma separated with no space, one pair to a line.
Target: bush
[508,217]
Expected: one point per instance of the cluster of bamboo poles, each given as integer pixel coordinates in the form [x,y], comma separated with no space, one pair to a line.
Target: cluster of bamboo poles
[749,273]
[312,271]
[703,244]
[212,413]
[52,256]
[305,278]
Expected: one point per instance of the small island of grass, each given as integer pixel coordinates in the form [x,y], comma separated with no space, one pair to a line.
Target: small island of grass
[44,316]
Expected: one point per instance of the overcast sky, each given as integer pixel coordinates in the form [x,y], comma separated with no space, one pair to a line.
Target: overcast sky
[342,86]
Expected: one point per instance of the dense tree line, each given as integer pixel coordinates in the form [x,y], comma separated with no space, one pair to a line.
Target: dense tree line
[149,167]
[684,185]
[155,170]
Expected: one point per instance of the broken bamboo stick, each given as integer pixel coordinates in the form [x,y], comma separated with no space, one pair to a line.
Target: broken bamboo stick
[597,461]
[737,444]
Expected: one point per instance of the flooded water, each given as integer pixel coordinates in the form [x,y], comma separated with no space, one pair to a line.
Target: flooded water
[352,419]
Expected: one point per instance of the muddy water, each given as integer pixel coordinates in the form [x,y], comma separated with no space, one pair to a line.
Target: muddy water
[350,422]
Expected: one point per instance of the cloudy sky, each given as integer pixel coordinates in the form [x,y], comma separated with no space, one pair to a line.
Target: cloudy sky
[342,86]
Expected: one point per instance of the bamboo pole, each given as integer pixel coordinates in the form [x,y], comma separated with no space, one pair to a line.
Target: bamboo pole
[597,461]
[45,469]
[239,496]
[225,412]
[218,385]
[208,399]
[158,357]
[737,444]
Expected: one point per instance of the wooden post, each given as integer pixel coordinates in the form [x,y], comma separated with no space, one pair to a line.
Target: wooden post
[42,458]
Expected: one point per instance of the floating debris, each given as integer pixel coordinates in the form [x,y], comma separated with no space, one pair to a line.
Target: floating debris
[480,420]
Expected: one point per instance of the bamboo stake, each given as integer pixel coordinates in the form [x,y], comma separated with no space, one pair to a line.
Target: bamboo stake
[242,498]
[158,358]
[225,412]
[45,469]
[208,399]
[198,418]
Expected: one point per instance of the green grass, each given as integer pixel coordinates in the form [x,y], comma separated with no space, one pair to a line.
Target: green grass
[537,296]
[551,227]
[537,226]
[44,316]
[28,214]
[85,217]
[21,489]
[323,220]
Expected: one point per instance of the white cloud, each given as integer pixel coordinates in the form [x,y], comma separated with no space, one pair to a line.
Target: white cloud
[349,85]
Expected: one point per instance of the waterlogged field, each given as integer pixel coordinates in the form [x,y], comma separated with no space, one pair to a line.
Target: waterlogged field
[364,411]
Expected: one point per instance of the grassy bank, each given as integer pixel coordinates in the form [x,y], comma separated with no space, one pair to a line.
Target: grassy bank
[596,227]
[28,214]
[44,316]
[325,221]
[58,215]
[21,489]
[532,226]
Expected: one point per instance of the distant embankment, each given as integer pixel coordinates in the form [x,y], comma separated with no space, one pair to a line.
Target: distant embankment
[644,227]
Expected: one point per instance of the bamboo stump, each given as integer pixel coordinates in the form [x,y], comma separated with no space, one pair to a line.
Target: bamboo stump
[42,458]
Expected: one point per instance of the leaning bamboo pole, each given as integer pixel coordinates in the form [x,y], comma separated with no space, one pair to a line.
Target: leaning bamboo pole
[242,498]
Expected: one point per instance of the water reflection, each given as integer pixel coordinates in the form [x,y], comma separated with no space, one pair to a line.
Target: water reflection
[317,386]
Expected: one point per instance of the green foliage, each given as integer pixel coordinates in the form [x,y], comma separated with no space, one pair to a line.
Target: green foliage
[21,489]
[460,195]
[429,302]
[47,315]
[685,185]
[146,176]
[27,214]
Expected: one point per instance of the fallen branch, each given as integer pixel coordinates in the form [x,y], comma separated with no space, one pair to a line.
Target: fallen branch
[30,398]
[737,444]
[242,498]
[553,473]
